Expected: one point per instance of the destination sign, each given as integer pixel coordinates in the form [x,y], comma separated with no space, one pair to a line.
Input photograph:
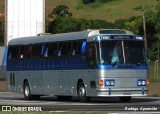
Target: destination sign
[118,37]
[121,37]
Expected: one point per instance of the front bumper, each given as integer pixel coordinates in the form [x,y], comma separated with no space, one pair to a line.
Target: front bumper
[122,92]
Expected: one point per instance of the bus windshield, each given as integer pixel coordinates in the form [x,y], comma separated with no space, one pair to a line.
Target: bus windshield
[121,52]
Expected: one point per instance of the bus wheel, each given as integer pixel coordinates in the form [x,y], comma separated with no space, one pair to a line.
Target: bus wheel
[27,93]
[125,99]
[82,92]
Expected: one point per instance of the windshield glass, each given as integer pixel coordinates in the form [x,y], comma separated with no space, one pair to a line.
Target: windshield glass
[121,52]
[110,52]
[134,52]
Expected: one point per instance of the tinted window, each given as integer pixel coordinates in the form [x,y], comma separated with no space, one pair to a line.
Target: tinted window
[36,50]
[13,52]
[27,51]
[65,49]
[52,50]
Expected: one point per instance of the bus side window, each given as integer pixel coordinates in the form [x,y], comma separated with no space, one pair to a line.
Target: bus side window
[56,47]
[9,56]
[27,51]
[51,50]
[36,50]
[70,49]
[44,50]
[91,54]
[76,48]
[21,52]
[65,49]
[59,49]
[59,52]
[30,51]
[14,52]
[83,48]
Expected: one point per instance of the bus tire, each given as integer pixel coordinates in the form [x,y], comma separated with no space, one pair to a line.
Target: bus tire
[82,92]
[27,93]
[125,99]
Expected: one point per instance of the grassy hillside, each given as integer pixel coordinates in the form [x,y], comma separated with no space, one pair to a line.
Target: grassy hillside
[110,11]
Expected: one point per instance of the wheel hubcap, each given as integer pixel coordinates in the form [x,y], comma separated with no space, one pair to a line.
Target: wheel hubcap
[81,92]
[26,91]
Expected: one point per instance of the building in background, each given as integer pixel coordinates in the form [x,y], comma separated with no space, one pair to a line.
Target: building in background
[24,18]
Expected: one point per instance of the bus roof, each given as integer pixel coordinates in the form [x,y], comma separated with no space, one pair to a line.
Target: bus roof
[67,36]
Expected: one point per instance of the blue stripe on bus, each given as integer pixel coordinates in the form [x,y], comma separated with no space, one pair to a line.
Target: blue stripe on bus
[61,64]
[123,66]
[47,64]
[4,56]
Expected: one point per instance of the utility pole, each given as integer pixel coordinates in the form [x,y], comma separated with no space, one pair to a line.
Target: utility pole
[144,28]
[158,49]
[158,60]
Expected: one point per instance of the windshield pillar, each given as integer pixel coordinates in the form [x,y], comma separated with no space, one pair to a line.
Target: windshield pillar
[124,58]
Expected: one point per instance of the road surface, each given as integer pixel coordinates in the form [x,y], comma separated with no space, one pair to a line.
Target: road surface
[51,103]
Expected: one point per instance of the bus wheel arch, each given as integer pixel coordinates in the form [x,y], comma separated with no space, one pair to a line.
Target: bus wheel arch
[24,82]
[81,91]
[80,80]
[27,92]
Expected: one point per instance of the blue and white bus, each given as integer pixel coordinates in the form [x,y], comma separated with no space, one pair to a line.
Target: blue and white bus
[103,63]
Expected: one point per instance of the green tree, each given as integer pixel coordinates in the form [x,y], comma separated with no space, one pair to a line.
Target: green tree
[152,16]
[65,24]
[135,24]
[88,1]
[120,23]
[61,11]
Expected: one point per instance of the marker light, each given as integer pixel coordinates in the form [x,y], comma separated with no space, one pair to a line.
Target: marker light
[148,82]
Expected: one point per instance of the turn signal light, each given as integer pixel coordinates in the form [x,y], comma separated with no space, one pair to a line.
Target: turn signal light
[148,82]
[100,82]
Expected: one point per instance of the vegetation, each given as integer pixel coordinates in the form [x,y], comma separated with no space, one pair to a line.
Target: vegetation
[110,10]
[155,95]
[92,1]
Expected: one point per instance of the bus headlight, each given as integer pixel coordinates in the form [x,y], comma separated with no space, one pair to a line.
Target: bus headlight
[110,82]
[141,82]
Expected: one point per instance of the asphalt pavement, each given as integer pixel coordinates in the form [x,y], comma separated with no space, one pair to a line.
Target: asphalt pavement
[16,102]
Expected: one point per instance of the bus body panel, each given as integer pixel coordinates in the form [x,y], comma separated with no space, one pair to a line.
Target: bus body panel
[94,57]
[64,82]
[48,82]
